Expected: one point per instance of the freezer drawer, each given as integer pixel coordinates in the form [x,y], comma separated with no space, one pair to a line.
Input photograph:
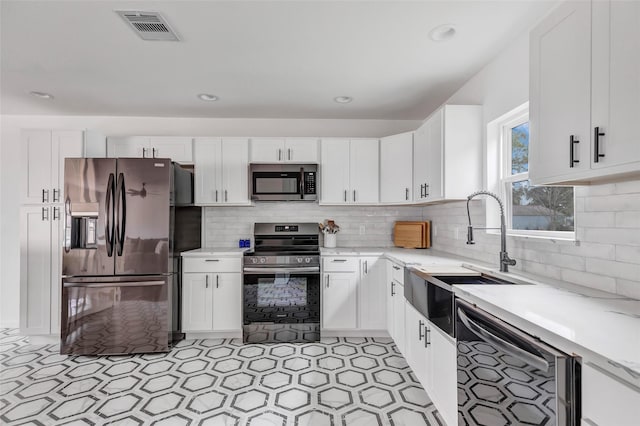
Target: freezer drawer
[115,315]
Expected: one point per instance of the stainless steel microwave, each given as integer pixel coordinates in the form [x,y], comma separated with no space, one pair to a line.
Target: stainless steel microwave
[283,182]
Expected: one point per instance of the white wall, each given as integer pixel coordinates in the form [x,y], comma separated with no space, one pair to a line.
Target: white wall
[607,253]
[10,162]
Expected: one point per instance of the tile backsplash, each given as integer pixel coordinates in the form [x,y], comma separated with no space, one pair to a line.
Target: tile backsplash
[360,226]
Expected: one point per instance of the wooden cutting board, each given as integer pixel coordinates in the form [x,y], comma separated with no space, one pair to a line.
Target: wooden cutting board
[412,234]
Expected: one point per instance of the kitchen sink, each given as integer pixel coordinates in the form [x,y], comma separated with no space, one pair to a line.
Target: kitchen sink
[471,279]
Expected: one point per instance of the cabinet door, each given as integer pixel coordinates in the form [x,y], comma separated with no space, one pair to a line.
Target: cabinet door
[267,150]
[235,170]
[128,146]
[301,150]
[334,171]
[560,93]
[398,317]
[442,374]
[339,300]
[208,175]
[66,144]
[608,400]
[35,270]
[227,302]
[421,160]
[416,352]
[197,302]
[177,148]
[364,171]
[396,168]
[390,290]
[36,166]
[434,158]
[616,81]
[371,294]
[57,239]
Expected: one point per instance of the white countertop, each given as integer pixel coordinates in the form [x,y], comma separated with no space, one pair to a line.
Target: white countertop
[574,318]
[202,252]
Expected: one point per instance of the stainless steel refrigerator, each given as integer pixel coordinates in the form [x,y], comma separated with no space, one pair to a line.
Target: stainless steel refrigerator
[126,220]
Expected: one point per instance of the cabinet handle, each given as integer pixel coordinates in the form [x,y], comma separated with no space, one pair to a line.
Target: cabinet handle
[45,213]
[596,144]
[154,152]
[406,194]
[226,198]
[572,142]
[345,195]
[427,336]
[217,281]
[56,195]
[212,260]
[354,195]
[420,325]
[56,213]
[339,260]
[216,195]
[393,286]
[426,189]
[327,280]
[279,155]
[144,152]
[289,153]
[206,281]
[397,268]
[45,195]
[366,266]
[422,191]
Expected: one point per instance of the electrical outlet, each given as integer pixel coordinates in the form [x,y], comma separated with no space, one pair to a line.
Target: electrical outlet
[362,229]
[456,233]
[435,231]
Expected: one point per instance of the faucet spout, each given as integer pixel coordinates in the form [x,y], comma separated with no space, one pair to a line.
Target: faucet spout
[505,260]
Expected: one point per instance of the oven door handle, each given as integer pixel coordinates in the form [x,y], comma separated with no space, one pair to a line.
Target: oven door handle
[531,359]
[267,271]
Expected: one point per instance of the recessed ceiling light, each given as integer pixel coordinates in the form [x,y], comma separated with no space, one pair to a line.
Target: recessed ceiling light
[207,97]
[41,95]
[343,99]
[443,32]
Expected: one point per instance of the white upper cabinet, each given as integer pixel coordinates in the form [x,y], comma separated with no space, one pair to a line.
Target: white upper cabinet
[447,154]
[396,168]
[177,148]
[221,171]
[284,150]
[349,171]
[585,93]
[43,154]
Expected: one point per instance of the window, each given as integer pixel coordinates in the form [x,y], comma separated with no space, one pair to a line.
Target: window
[530,210]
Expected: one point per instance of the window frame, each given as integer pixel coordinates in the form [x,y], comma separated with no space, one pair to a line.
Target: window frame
[505,125]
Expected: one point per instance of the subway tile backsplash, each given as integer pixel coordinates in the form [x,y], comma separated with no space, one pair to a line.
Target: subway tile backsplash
[605,256]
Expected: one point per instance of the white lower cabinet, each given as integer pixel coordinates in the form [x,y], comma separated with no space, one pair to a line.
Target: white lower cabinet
[339,300]
[371,294]
[395,306]
[212,295]
[608,400]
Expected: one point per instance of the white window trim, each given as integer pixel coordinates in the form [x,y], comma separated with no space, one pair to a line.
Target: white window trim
[499,176]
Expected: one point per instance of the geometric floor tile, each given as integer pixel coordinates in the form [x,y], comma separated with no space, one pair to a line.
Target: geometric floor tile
[337,381]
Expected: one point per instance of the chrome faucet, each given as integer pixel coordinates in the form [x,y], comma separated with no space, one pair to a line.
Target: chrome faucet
[505,260]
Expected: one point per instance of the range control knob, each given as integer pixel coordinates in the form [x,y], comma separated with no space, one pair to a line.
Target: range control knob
[263,260]
[307,260]
[299,260]
[254,260]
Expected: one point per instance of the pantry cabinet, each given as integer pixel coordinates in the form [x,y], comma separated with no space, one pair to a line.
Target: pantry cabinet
[284,150]
[396,169]
[177,148]
[221,171]
[349,171]
[447,154]
[42,163]
[585,93]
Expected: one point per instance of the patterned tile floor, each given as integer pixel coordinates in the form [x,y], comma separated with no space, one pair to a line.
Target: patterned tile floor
[351,381]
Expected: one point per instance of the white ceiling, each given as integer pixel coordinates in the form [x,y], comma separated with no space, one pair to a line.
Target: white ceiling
[263,59]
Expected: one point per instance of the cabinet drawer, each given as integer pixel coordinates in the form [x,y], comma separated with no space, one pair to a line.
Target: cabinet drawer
[607,400]
[397,273]
[211,264]
[340,264]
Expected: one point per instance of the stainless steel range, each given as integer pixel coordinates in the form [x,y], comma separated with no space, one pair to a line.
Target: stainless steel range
[281,287]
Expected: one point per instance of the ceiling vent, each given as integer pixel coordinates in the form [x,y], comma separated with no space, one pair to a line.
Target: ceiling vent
[148,25]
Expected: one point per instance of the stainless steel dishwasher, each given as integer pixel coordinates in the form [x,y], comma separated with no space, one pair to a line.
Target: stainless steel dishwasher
[507,377]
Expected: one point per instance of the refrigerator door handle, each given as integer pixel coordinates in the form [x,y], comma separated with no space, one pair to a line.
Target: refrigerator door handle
[121,209]
[109,225]
[67,225]
[114,284]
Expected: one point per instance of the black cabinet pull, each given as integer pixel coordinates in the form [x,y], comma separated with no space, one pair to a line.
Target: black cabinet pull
[572,142]
[596,144]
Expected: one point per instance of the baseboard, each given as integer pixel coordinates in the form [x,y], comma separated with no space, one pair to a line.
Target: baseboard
[45,339]
[9,324]
[214,335]
[354,333]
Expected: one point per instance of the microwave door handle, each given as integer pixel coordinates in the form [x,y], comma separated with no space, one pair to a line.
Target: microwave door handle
[490,338]
[302,183]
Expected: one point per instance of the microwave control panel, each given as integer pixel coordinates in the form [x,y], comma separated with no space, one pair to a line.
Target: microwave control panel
[309,183]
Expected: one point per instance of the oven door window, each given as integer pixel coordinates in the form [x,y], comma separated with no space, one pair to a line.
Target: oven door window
[276,183]
[283,290]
